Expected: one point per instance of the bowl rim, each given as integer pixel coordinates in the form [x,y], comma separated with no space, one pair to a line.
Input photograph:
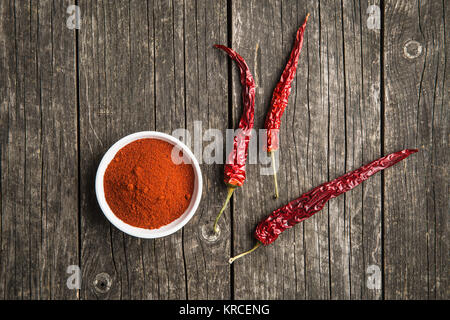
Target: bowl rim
[163,231]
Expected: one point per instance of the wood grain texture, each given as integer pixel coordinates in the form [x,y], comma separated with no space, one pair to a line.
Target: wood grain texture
[100,105]
[416,116]
[170,115]
[362,212]
[333,95]
[206,85]
[297,265]
[148,66]
[39,176]
[259,43]
[360,92]
[132,53]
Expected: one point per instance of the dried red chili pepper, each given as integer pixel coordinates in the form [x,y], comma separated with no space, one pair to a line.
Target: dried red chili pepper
[313,201]
[235,166]
[280,99]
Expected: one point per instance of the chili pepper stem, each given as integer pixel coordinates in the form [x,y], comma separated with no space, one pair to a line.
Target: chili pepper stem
[244,253]
[272,155]
[230,192]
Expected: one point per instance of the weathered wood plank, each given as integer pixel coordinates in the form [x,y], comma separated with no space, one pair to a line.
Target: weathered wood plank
[334,92]
[293,163]
[206,80]
[150,65]
[299,261]
[133,59]
[39,176]
[305,139]
[116,99]
[311,140]
[13,157]
[313,259]
[256,27]
[416,115]
[362,212]
[170,115]
[319,141]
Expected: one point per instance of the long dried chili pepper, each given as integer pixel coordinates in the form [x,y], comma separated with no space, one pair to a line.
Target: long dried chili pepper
[313,201]
[280,99]
[235,166]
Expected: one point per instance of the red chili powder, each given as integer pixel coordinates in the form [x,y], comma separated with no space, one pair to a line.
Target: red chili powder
[144,188]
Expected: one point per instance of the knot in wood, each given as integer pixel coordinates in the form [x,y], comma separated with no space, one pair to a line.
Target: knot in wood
[412,49]
[208,234]
[102,282]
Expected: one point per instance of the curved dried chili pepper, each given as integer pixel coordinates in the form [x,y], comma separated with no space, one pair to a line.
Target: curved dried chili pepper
[280,99]
[234,173]
[313,201]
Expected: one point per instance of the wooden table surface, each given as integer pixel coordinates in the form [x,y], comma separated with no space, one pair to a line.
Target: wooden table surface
[362,90]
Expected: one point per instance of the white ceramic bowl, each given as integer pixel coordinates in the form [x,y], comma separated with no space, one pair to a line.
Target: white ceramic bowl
[141,232]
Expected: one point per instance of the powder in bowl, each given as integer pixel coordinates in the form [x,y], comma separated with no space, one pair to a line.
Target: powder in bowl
[144,187]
